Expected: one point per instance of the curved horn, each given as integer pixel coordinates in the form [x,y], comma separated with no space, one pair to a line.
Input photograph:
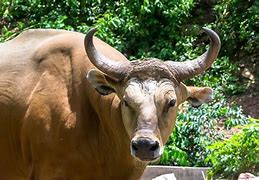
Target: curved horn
[110,67]
[188,69]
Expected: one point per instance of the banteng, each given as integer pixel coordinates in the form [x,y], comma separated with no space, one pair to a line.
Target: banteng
[72,107]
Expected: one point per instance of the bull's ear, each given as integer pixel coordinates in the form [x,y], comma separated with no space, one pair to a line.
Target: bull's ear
[199,95]
[102,83]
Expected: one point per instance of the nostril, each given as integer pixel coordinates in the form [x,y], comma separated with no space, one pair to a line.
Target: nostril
[154,147]
[134,145]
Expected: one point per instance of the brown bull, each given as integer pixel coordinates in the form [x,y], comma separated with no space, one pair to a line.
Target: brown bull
[56,123]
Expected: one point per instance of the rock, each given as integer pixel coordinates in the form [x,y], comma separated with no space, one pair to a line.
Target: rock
[247,176]
[170,176]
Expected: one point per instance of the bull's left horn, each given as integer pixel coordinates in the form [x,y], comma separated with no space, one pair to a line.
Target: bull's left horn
[116,69]
[188,69]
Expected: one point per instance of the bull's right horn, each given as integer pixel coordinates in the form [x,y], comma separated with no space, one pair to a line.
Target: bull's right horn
[188,69]
[116,69]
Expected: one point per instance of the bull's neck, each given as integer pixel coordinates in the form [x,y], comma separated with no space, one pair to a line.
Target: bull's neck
[112,135]
[108,117]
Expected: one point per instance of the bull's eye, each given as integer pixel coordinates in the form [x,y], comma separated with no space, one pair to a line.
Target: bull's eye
[125,103]
[171,103]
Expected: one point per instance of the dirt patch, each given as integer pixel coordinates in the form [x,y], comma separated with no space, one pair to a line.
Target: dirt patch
[249,103]
[249,74]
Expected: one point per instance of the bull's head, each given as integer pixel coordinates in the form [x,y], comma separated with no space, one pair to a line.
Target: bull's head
[150,92]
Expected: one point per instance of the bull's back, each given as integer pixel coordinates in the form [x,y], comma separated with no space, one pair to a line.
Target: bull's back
[18,70]
[18,78]
[17,65]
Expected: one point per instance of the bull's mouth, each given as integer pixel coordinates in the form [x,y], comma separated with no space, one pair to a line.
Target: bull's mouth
[148,159]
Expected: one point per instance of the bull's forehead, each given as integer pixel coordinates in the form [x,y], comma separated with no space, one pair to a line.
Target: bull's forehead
[146,90]
[142,86]
[150,68]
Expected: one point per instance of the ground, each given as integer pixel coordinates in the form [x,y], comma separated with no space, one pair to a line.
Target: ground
[249,100]
[249,103]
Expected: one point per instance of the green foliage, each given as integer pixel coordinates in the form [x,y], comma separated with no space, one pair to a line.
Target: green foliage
[238,21]
[195,129]
[238,154]
[131,26]
[174,156]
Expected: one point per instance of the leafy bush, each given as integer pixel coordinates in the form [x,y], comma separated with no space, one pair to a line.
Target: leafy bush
[195,129]
[236,155]
[133,26]
[238,21]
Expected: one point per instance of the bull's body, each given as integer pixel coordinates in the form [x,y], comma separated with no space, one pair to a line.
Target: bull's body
[56,123]
[53,125]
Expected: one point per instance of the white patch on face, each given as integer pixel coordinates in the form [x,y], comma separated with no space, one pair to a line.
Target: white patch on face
[149,87]
[136,91]
[133,94]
